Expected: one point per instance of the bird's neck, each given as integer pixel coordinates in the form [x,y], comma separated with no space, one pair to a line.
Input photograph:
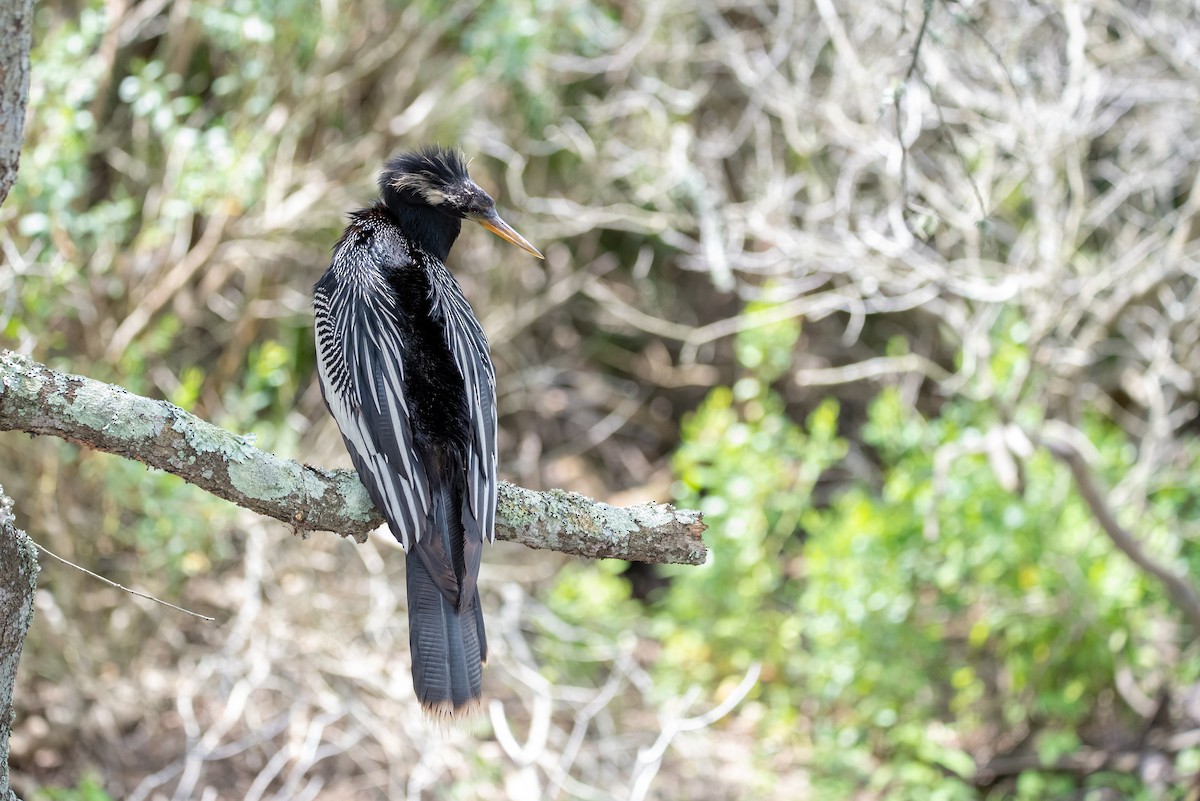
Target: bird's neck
[432,231]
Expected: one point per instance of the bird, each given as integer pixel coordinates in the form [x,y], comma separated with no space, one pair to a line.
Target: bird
[405,371]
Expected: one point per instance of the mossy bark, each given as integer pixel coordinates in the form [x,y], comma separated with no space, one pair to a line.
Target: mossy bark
[16,20]
[18,579]
[39,400]
[18,563]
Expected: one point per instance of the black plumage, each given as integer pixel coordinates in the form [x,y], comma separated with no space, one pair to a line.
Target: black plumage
[405,371]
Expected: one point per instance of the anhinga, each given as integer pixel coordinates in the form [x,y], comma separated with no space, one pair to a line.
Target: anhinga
[405,371]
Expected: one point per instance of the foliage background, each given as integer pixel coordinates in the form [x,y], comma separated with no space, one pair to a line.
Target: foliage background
[835,275]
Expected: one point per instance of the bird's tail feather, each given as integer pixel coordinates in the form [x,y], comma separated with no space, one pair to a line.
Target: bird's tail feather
[446,638]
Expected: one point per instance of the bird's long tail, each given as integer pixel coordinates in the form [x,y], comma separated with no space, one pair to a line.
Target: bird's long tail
[446,638]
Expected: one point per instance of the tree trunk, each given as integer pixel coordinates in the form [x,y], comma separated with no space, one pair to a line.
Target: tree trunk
[18,577]
[16,21]
[18,563]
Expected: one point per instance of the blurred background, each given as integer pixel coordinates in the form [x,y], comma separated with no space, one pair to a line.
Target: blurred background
[832,273]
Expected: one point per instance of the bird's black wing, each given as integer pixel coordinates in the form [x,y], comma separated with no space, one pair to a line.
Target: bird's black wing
[361,368]
[468,344]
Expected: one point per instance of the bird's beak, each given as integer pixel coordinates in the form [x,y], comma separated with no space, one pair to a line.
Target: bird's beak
[491,221]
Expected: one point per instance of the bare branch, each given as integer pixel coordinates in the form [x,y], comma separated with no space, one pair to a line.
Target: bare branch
[1082,762]
[869,369]
[39,400]
[1179,588]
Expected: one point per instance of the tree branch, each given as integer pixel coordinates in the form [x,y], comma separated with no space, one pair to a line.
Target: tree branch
[1180,589]
[39,400]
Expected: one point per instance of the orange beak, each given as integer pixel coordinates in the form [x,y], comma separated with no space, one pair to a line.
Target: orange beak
[500,228]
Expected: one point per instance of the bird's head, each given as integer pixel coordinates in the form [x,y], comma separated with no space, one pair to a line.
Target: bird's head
[437,177]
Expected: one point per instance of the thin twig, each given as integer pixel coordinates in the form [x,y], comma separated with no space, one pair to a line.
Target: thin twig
[649,760]
[898,93]
[112,583]
[953,142]
[927,12]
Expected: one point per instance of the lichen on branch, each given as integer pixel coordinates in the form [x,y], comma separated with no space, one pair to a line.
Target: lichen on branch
[39,400]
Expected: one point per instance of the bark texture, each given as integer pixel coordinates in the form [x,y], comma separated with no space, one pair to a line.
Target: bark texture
[18,579]
[39,400]
[16,25]
[18,563]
